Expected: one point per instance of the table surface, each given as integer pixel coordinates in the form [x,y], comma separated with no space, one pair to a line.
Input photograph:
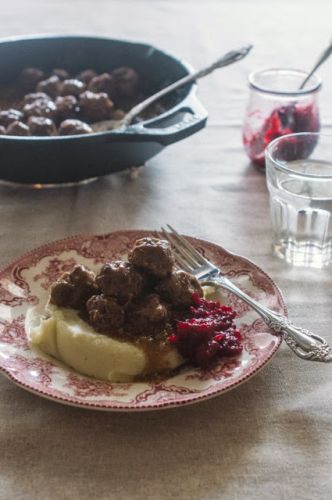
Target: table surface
[271,438]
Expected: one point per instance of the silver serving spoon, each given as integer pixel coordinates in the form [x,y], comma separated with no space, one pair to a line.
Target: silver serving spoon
[229,58]
[322,58]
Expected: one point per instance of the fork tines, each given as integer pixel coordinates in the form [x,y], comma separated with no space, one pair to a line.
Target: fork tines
[185,253]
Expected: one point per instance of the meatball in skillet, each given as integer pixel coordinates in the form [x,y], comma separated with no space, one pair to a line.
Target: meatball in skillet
[35,96]
[61,73]
[65,107]
[74,127]
[30,77]
[9,116]
[103,83]
[72,87]
[40,107]
[125,81]
[95,107]
[18,128]
[86,75]
[41,126]
[51,86]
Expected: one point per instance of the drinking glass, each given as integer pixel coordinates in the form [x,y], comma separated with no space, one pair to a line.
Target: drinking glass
[277,106]
[299,179]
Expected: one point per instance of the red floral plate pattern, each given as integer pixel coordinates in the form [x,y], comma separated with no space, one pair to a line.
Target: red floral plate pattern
[25,283]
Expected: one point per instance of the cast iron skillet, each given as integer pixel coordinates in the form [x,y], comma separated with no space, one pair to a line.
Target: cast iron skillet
[47,160]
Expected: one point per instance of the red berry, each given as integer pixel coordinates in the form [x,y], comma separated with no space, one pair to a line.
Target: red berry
[172,339]
[208,333]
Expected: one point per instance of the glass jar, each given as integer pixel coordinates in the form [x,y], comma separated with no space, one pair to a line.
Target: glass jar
[277,107]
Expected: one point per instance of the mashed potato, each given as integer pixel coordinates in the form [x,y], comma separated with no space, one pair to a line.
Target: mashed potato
[65,336]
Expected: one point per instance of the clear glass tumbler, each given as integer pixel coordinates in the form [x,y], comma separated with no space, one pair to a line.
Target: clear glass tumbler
[278,107]
[299,179]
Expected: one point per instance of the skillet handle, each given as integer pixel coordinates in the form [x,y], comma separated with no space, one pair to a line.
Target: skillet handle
[189,117]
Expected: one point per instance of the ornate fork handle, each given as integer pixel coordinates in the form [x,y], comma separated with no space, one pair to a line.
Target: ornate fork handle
[305,344]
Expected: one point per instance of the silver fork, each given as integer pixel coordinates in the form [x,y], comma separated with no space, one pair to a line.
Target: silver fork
[305,344]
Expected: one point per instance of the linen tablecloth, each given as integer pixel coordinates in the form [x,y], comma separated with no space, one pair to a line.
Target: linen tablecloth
[270,438]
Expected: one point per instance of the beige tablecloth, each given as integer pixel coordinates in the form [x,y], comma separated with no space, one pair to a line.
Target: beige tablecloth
[271,438]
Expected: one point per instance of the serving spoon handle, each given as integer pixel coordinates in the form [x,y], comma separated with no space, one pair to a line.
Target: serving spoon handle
[322,58]
[229,58]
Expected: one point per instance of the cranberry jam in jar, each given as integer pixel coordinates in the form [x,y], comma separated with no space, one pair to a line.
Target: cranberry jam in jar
[277,107]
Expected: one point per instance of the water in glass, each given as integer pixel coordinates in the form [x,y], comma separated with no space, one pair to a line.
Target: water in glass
[301,210]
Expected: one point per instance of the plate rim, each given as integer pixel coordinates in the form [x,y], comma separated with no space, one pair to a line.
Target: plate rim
[195,398]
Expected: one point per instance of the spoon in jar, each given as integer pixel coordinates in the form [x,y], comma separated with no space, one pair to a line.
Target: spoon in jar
[322,58]
[286,113]
[229,58]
